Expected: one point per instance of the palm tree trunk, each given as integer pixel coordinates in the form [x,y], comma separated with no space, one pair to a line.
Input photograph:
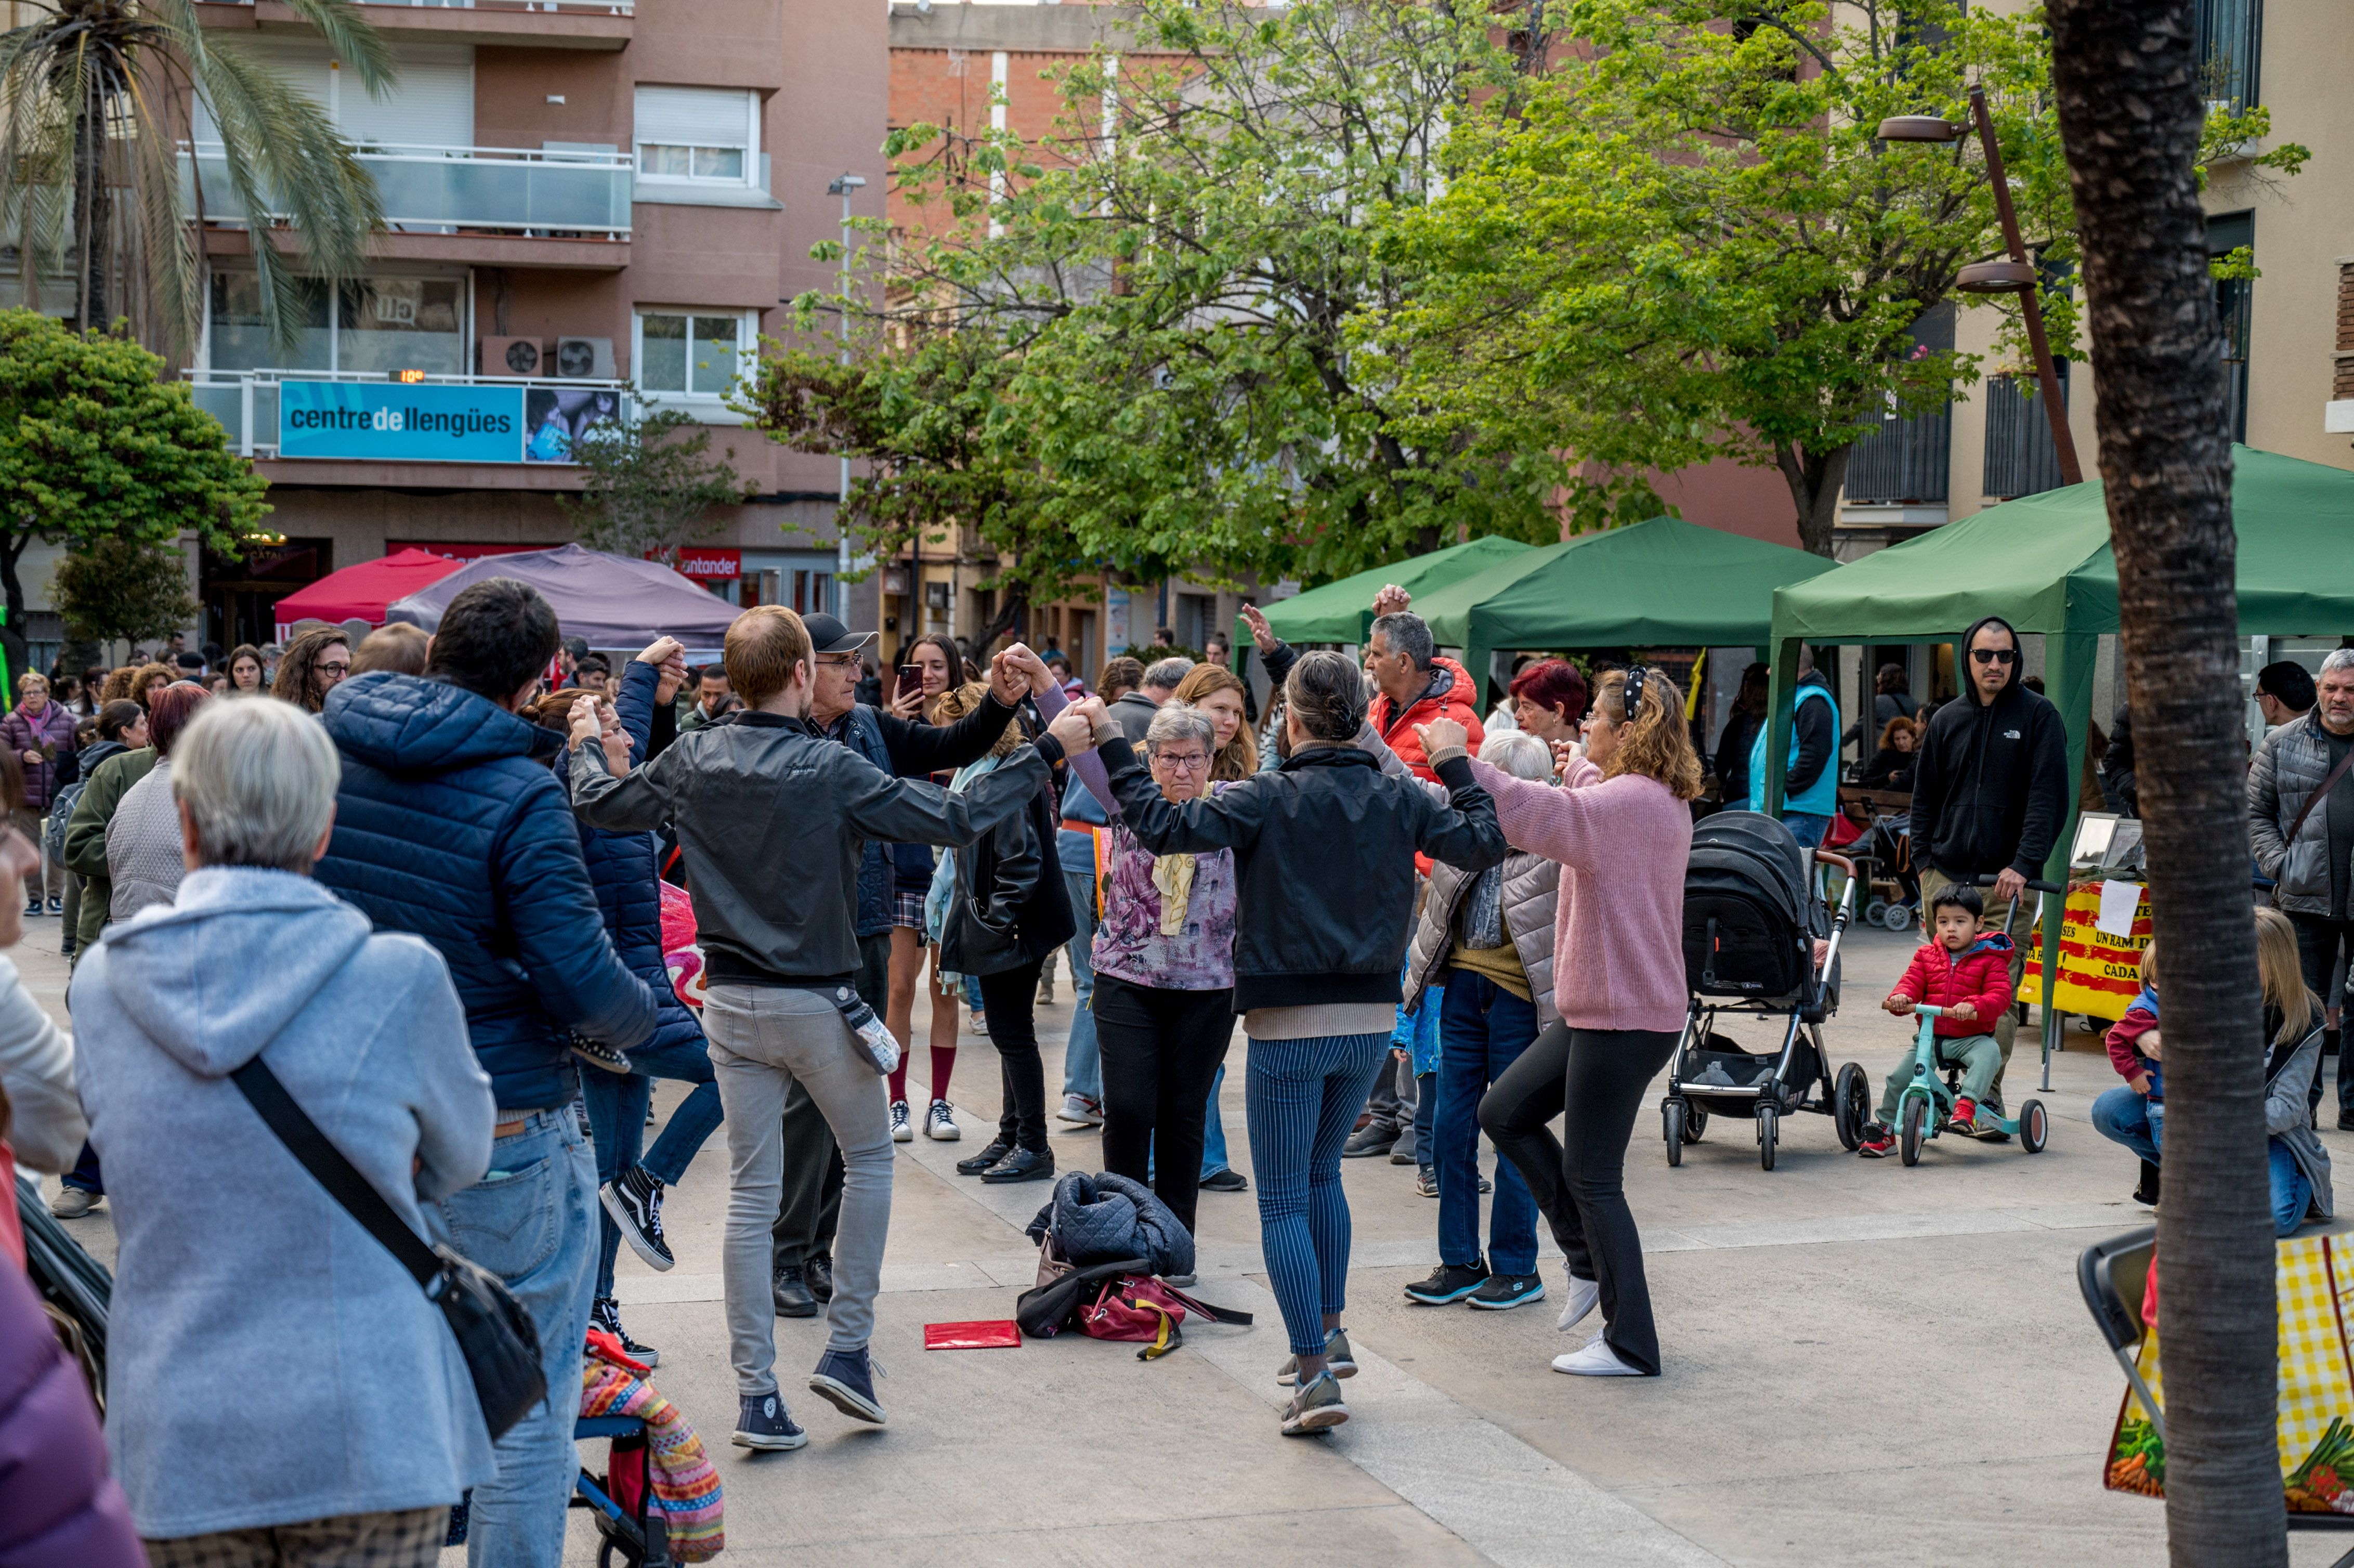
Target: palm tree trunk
[93,208]
[2125,77]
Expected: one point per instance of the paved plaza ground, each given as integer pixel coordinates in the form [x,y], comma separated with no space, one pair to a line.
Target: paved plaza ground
[1864,1363]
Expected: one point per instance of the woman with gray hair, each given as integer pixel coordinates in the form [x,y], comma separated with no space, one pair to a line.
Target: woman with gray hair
[1164,965]
[370,1428]
[1323,851]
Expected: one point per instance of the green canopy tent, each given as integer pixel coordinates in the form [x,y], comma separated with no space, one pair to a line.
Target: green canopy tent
[1342,611]
[1660,582]
[2044,564]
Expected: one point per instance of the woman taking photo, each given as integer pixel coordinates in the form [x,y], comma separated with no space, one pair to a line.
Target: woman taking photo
[1324,850]
[1622,832]
[933,661]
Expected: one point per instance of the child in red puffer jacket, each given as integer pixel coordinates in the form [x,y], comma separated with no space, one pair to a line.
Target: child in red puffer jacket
[1969,975]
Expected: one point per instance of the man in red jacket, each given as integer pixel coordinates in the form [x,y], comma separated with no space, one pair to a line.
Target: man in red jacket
[1417,684]
[1967,974]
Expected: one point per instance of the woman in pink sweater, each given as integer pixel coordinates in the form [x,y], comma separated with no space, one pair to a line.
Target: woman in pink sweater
[1622,832]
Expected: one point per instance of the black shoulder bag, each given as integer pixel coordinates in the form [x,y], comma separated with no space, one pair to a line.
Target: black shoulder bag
[494,1334]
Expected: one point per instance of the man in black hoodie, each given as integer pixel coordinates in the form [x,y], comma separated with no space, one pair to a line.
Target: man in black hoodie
[1990,793]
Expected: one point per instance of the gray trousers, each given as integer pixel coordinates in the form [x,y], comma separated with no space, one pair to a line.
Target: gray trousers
[764,1040]
[811,1195]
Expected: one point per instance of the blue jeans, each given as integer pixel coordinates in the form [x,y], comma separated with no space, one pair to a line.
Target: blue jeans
[529,1221]
[1482,1030]
[1082,1057]
[1302,1097]
[2122,1114]
[1807,827]
[616,1124]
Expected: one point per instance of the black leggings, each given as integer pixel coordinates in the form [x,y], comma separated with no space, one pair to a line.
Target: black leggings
[1162,1050]
[1009,998]
[1599,1076]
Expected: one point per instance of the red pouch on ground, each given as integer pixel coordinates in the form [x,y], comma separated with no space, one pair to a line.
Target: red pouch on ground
[976,1336]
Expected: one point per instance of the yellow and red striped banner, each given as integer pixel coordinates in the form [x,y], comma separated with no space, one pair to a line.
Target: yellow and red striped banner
[2099,974]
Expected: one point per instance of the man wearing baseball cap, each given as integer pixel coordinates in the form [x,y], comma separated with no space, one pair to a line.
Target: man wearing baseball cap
[906,749]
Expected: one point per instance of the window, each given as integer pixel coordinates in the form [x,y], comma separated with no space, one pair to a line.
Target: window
[700,135]
[2230,34]
[365,324]
[2227,232]
[692,355]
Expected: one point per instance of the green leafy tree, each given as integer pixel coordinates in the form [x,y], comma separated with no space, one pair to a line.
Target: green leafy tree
[1153,367]
[94,447]
[1687,242]
[649,489]
[123,590]
[96,92]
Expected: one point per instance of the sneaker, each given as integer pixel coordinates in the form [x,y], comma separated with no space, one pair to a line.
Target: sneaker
[996,1149]
[1317,1407]
[1403,1151]
[1181,1281]
[976,1021]
[1579,1298]
[791,1292]
[56,905]
[1427,1182]
[1225,1179]
[2346,1121]
[597,1054]
[1080,1111]
[902,1130]
[1596,1360]
[606,1314]
[1875,1141]
[73,1202]
[846,1380]
[1504,1292]
[940,1123]
[819,1274]
[1021,1165]
[1370,1139]
[1486,1186]
[1046,989]
[761,1423]
[1964,1117]
[1447,1282]
[1339,1360]
[634,1200]
[1988,1131]
[32,907]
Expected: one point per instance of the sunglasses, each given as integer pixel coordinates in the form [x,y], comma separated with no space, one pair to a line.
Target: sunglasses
[1995,655]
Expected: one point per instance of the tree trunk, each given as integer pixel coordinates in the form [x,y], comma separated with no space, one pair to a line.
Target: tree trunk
[92,211]
[2126,78]
[13,642]
[1814,479]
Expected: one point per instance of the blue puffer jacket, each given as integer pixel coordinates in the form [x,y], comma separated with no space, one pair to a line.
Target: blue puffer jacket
[450,825]
[622,870]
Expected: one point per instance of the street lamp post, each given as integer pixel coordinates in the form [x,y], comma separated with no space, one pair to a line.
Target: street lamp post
[842,185]
[2015,276]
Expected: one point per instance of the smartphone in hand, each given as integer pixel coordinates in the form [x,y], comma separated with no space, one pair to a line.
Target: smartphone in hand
[911,680]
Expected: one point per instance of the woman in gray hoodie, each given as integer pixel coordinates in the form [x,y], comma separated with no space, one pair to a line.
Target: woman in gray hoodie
[273,1370]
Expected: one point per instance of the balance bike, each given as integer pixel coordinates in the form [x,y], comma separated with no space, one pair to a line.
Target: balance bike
[1928,1100]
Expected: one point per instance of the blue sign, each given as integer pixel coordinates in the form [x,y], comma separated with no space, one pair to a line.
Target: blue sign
[385,421]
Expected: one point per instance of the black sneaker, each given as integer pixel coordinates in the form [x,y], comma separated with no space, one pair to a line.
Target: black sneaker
[845,1379]
[819,1272]
[56,905]
[998,1149]
[1447,1282]
[634,1200]
[761,1422]
[606,1314]
[1021,1165]
[597,1054]
[1504,1292]
[1373,1139]
[1226,1179]
[792,1294]
[2346,1121]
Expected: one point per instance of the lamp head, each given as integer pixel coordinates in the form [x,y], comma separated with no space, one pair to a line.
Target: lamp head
[1919,128]
[843,184]
[1996,278]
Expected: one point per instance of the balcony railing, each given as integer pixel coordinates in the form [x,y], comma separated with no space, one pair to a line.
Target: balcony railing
[2019,456]
[576,8]
[450,190]
[1902,462]
[247,402]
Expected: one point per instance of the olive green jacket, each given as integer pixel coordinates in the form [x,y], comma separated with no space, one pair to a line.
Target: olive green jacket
[86,837]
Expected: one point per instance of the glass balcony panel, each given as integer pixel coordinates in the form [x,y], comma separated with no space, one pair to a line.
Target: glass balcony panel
[469,188]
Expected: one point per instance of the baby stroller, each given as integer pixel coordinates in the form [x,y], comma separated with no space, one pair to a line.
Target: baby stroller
[1752,917]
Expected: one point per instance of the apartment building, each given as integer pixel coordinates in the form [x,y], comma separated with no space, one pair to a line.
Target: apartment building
[585,203]
[2289,335]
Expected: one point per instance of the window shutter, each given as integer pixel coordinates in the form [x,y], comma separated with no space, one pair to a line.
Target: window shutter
[432,104]
[695,116]
[2344,381]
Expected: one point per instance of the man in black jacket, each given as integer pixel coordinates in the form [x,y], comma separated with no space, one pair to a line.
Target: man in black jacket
[1990,793]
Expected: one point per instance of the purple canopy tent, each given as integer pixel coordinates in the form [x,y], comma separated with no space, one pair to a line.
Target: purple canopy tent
[618,604]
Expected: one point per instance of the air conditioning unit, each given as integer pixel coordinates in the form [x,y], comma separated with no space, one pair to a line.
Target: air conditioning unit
[510,356]
[582,359]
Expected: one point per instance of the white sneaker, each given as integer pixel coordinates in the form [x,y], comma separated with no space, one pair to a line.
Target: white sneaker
[1582,1296]
[900,1131]
[1597,1359]
[940,1123]
[1080,1111]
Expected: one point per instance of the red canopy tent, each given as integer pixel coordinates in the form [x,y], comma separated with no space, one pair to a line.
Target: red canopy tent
[362,592]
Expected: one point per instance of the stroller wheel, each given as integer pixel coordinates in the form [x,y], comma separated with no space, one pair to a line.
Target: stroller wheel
[1874,911]
[1896,917]
[1672,1118]
[1768,1131]
[1695,1123]
[1909,1136]
[1851,1105]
